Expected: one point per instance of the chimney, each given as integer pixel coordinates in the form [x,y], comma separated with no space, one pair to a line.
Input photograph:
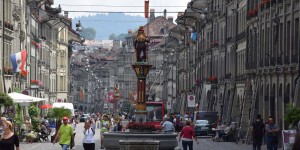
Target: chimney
[165,13]
[129,31]
[180,14]
[66,14]
[170,18]
[152,14]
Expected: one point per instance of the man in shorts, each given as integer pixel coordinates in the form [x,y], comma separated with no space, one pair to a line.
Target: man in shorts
[65,135]
[104,127]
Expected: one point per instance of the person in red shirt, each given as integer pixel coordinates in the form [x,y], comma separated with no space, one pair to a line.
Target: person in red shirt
[187,134]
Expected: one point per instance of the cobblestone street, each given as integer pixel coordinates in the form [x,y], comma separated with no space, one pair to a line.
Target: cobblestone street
[205,143]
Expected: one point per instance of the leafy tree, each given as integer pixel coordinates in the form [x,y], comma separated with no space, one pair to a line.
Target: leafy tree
[18,116]
[59,113]
[112,36]
[292,114]
[17,90]
[5,100]
[88,33]
[33,111]
[120,37]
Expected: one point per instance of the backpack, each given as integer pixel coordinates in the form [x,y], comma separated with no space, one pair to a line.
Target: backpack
[93,131]
[258,128]
[177,121]
[119,127]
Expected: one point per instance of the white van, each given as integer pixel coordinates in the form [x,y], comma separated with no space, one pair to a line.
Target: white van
[64,105]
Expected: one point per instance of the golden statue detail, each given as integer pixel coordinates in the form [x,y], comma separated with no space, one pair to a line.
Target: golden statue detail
[140,45]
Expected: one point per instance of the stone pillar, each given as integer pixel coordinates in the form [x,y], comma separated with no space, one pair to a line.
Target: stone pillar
[141,70]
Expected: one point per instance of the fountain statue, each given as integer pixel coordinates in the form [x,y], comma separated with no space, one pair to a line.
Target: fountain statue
[140,45]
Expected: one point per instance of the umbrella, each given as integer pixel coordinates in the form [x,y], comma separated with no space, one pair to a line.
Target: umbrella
[46,106]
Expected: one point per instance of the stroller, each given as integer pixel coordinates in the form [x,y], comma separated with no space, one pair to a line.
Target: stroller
[43,135]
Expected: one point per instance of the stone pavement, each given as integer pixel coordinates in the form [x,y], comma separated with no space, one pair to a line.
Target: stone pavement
[205,143]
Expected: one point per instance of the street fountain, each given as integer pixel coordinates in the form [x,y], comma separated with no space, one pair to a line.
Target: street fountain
[141,135]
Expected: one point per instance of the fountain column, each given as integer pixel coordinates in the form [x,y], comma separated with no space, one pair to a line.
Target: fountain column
[141,70]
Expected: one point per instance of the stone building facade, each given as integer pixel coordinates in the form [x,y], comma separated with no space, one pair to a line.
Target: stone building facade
[245,60]
[43,32]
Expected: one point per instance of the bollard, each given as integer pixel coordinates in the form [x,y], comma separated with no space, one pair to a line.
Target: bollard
[177,148]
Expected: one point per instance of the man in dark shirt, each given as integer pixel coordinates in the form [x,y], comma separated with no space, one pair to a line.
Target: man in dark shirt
[258,132]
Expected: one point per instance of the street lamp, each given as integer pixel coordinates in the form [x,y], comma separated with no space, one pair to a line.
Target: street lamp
[78,26]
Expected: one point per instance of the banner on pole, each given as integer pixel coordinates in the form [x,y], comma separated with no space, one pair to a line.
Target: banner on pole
[191,101]
[146,8]
[288,139]
[169,105]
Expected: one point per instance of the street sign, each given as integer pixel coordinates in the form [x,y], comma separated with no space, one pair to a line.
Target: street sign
[169,105]
[105,106]
[191,101]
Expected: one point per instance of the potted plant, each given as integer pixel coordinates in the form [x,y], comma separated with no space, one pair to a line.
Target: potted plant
[58,114]
[23,74]
[8,71]
[292,115]
[36,84]
[144,127]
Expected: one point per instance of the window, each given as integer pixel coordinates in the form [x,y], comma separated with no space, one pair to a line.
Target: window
[288,38]
[296,39]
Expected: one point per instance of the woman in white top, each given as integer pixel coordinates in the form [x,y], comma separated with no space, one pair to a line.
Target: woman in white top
[88,140]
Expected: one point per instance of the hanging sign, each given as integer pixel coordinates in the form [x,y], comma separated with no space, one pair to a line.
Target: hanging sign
[191,101]
[169,105]
[288,138]
[146,8]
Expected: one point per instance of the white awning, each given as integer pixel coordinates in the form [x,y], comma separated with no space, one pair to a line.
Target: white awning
[21,98]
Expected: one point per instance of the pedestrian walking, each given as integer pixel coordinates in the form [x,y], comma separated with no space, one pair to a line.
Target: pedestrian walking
[9,139]
[65,135]
[187,134]
[105,126]
[88,140]
[177,124]
[272,130]
[167,126]
[258,133]
[73,123]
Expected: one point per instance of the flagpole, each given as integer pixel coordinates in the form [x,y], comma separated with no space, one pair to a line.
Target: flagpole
[3,53]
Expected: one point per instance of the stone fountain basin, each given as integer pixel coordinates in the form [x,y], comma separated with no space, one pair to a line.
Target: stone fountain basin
[167,141]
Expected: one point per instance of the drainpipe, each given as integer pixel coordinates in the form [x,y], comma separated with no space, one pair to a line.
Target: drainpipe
[3,53]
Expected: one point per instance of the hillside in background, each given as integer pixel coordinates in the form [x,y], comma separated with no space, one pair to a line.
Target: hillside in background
[107,24]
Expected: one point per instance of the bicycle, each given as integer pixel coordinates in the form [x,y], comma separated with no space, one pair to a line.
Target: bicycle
[237,136]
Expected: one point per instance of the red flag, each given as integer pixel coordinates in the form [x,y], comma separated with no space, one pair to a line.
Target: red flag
[146,8]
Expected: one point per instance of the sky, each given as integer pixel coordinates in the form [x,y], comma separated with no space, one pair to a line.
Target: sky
[122,6]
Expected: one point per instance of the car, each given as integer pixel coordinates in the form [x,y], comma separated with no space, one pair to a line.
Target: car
[202,127]
[84,117]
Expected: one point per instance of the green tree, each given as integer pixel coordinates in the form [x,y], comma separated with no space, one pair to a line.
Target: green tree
[33,111]
[120,37]
[5,100]
[88,33]
[112,36]
[59,113]
[292,115]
